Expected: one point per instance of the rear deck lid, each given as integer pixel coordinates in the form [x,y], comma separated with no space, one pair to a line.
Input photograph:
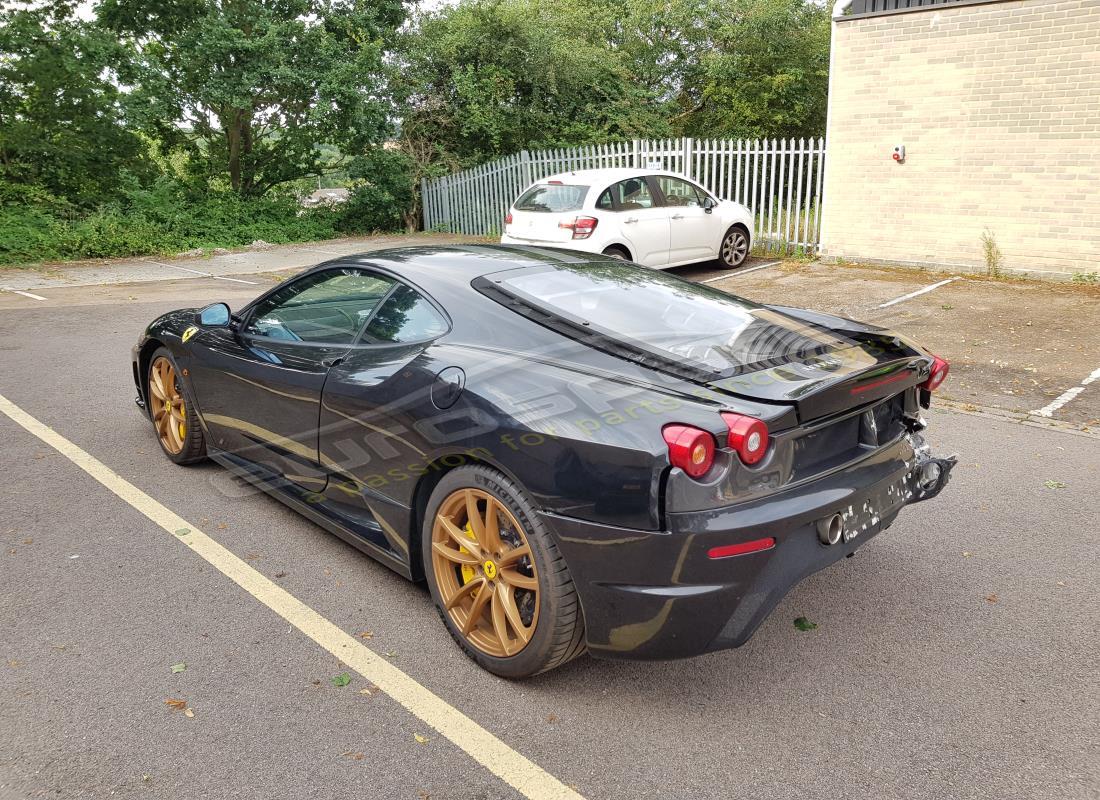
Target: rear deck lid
[819,364]
[541,212]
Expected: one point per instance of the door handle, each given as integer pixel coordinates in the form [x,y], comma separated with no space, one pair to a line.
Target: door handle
[331,362]
[630,220]
[677,216]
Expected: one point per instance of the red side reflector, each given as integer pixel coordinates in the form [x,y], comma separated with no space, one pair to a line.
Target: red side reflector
[740,549]
[508,218]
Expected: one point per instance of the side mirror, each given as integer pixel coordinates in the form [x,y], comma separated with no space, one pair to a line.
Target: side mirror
[709,204]
[215,315]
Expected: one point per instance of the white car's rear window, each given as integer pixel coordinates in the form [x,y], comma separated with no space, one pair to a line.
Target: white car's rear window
[552,198]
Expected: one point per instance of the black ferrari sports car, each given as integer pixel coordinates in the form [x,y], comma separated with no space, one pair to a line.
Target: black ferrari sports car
[575,453]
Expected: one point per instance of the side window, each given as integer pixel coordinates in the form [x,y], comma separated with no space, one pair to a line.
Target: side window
[406,316]
[604,203]
[632,194]
[679,192]
[327,307]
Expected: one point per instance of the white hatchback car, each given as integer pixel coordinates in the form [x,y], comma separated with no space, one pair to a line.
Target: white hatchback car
[658,219]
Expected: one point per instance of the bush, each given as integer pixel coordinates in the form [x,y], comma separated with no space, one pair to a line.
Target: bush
[383,196]
[161,219]
[29,234]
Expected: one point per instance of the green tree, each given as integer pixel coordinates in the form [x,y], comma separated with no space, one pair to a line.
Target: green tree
[492,77]
[767,73]
[62,128]
[250,89]
[736,68]
[661,41]
[383,194]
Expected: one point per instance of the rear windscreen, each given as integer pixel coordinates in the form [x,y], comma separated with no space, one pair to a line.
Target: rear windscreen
[667,316]
[550,198]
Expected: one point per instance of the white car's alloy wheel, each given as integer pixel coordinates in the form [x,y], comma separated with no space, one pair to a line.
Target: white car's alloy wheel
[735,248]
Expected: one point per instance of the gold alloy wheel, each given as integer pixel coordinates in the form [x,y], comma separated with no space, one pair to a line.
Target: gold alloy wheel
[485,572]
[169,412]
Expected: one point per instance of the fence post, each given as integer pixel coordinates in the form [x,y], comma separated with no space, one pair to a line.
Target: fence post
[424,213]
[637,154]
[448,205]
[687,146]
[525,163]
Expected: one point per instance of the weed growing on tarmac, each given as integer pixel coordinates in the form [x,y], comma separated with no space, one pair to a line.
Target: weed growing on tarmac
[992,254]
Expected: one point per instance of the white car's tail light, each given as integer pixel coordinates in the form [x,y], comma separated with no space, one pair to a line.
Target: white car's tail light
[582,227]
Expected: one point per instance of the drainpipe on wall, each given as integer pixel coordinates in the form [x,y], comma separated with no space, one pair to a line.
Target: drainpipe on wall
[838,11]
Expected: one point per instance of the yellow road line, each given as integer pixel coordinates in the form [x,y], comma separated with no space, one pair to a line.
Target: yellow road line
[523,775]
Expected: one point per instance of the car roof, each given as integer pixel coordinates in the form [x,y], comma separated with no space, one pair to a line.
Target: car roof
[444,272]
[462,263]
[605,177]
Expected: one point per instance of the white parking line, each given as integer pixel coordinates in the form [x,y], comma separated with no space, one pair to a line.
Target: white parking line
[173,266]
[919,292]
[234,280]
[25,294]
[523,775]
[199,272]
[1049,409]
[736,273]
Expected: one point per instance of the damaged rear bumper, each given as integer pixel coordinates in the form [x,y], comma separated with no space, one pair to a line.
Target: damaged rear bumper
[661,595]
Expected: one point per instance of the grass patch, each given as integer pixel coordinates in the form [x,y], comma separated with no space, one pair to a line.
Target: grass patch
[162,220]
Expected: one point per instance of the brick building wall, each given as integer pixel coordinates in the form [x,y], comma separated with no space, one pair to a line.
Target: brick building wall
[998,106]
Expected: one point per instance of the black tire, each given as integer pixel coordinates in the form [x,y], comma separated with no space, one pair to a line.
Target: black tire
[558,636]
[617,252]
[193,444]
[734,249]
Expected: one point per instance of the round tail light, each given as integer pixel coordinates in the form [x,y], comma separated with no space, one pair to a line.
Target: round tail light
[689,448]
[748,436]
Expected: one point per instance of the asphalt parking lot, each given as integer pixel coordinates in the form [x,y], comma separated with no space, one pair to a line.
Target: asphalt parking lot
[1015,346]
[955,656]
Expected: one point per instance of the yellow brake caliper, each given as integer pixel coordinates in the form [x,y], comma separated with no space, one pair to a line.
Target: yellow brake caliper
[467,570]
[183,416]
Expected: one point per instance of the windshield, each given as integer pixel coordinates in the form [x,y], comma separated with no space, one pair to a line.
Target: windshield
[668,316]
[552,198]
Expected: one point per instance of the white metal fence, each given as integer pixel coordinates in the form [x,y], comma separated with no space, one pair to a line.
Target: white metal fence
[779,179]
